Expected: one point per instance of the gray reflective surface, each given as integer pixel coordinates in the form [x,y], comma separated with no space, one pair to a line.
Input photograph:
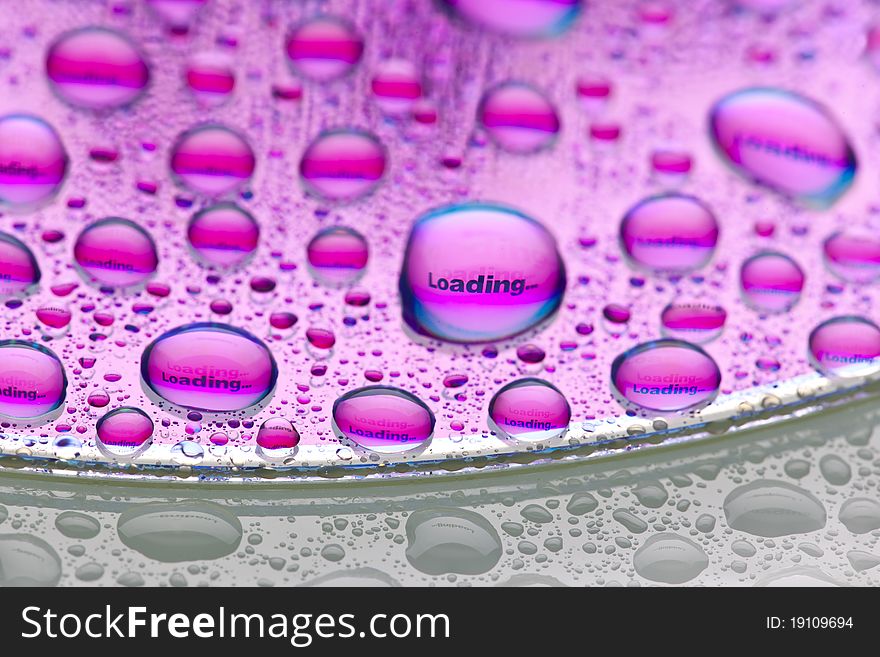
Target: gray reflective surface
[793,504]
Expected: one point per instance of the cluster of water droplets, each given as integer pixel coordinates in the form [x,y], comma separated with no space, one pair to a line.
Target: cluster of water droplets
[261,227]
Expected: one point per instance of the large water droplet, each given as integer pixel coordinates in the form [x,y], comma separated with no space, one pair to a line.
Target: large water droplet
[324,48]
[665,375]
[180,531]
[74,524]
[669,233]
[860,515]
[846,347]
[383,419]
[277,439]
[211,77]
[785,141]
[33,162]
[27,561]
[451,540]
[478,272]
[212,367]
[773,508]
[96,68]
[223,235]
[396,86]
[116,252]
[853,255]
[771,282]
[529,409]
[518,117]
[343,165]
[337,255]
[670,558]
[32,380]
[18,266]
[212,160]
[521,18]
[692,321]
[124,432]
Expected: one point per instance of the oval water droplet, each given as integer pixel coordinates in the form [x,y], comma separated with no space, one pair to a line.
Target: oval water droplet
[212,160]
[337,255]
[785,141]
[518,117]
[383,419]
[771,282]
[853,255]
[670,559]
[529,409]
[323,48]
[74,524]
[116,252]
[277,439]
[32,380]
[860,515]
[18,266]
[669,233]
[478,272]
[33,162]
[96,68]
[124,432]
[211,77]
[773,508]
[343,164]
[520,18]
[693,321]
[846,347]
[223,235]
[27,561]
[442,541]
[665,375]
[211,367]
[396,86]
[180,531]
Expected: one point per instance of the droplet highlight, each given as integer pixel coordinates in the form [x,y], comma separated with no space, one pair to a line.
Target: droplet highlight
[116,252]
[530,410]
[383,419]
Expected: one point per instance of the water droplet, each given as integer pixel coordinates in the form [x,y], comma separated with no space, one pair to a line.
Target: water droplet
[771,282]
[520,18]
[860,515]
[670,559]
[785,141]
[212,367]
[116,252]
[96,68]
[518,117]
[177,15]
[665,375]
[337,255]
[343,164]
[451,540]
[853,255]
[211,77]
[18,266]
[846,347]
[333,552]
[383,419]
[180,531]
[187,452]
[396,86]
[212,160]
[32,380]
[223,235]
[27,561]
[124,432]
[277,439]
[323,48]
[581,504]
[479,272]
[773,508]
[693,321]
[669,233]
[33,162]
[529,409]
[74,524]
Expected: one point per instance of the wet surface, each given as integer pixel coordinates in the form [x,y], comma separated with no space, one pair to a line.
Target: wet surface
[794,504]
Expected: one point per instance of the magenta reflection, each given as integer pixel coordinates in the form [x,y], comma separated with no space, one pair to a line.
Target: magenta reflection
[337,255]
[771,282]
[223,235]
[32,380]
[116,252]
[212,160]
[19,270]
[33,162]
[846,347]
